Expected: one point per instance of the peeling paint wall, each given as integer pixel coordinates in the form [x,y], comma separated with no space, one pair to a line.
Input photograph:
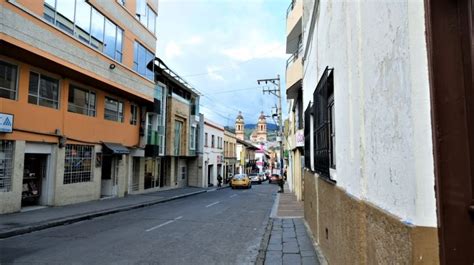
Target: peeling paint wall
[382,105]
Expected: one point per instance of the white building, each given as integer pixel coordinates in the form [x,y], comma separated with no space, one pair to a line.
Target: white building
[213,156]
[386,120]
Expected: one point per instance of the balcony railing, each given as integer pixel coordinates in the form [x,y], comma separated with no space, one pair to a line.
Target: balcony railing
[292,5]
[295,55]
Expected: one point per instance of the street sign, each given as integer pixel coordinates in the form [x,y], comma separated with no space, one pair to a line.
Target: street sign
[6,123]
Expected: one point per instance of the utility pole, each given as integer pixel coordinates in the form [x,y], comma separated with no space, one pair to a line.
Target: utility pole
[276,91]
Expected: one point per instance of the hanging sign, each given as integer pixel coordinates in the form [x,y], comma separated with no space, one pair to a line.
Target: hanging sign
[6,123]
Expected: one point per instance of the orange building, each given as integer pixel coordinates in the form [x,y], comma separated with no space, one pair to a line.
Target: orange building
[75,81]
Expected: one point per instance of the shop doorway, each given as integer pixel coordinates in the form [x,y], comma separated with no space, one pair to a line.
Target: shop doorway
[209,175]
[109,182]
[34,189]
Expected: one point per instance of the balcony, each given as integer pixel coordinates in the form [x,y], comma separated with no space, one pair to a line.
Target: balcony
[294,16]
[294,75]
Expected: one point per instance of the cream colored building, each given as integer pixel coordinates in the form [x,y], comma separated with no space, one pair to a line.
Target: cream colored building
[294,95]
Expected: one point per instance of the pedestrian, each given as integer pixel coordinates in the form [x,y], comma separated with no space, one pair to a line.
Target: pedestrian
[281,183]
[219,180]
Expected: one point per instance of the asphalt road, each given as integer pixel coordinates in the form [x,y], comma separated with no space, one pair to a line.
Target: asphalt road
[219,227]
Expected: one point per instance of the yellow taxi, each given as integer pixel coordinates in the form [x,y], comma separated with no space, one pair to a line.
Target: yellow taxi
[241,180]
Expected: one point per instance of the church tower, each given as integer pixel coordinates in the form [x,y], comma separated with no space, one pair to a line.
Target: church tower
[262,128]
[239,127]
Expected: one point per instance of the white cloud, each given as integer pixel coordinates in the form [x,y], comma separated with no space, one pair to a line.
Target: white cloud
[172,50]
[195,40]
[254,45]
[212,72]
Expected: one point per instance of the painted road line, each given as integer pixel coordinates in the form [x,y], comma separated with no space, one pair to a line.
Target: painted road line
[233,196]
[163,224]
[214,203]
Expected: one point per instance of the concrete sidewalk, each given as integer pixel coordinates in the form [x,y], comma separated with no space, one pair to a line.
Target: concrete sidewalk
[25,222]
[287,239]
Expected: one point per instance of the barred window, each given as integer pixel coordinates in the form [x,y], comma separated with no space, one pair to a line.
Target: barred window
[324,131]
[307,136]
[6,165]
[78,163]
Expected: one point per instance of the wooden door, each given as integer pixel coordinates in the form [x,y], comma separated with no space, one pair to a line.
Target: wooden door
[450,42]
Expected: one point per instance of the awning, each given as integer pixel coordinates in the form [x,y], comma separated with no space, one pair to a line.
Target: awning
[115,149]
[293,91]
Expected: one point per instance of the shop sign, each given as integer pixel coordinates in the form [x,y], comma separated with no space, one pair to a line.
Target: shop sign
[6,123]
[299,135]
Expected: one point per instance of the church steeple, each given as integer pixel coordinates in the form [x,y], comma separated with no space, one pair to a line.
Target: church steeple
[239,126]
[262,128]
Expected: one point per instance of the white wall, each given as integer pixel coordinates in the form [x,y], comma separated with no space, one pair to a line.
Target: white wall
[211,154]
[383,124]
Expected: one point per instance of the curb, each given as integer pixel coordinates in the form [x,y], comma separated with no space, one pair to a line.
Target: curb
[264,243]
[87,216]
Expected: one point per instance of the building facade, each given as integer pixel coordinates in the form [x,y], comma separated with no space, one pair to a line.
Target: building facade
[230,155]
[213,157]
[385,114]
[73,74]
[294,76]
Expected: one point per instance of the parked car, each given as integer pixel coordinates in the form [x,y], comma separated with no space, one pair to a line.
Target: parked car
[255,178]
[241,181]
[274,178]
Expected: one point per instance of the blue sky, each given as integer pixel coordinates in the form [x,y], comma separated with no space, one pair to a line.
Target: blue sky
[222,47]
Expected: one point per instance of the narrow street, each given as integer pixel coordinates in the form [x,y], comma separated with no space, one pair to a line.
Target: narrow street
[221,227]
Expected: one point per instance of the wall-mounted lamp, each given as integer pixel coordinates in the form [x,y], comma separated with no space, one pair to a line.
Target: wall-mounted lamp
[112,66]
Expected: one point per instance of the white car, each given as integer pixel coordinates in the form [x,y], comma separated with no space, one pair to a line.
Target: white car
[255,177]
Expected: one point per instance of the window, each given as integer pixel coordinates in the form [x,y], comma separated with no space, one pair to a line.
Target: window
[146,15]
[134,114]
[78,163]
[205,140]
[212,141]
[192,145]
[332,132]
[323,107]
[183,172]
[43,91]
[8,80]
[81,101]
[178,126]
[113,110]
[142,57]
[307,136]
[6,165]
[79,18]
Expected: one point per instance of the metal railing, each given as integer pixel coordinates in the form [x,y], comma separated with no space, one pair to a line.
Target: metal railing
[290,8]
[295,55]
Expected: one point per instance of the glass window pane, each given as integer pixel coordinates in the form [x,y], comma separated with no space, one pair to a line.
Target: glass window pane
[118,46]
[83,15]
[97,29]
[149,58]
[51,3]
[141,60]
[66,8]
[8,73]
[49,13]
[151,20]
[34,78]
[109,42]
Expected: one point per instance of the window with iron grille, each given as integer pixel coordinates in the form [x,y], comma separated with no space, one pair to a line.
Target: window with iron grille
[322,109]
[78,163]
[307,136]
[6,165]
